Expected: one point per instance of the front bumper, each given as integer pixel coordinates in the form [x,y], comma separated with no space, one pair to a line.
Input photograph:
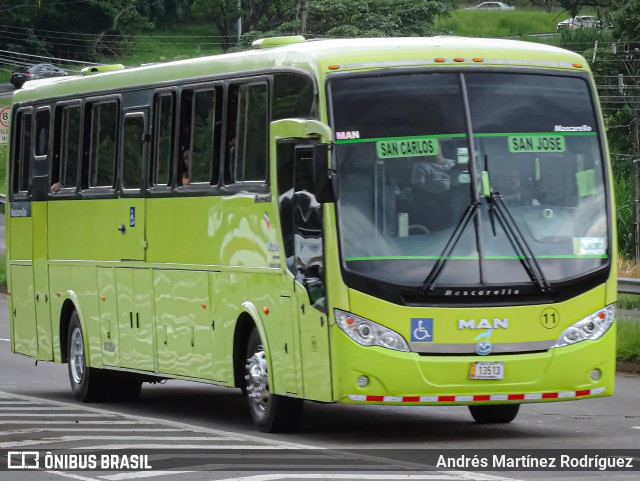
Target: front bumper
[400,378]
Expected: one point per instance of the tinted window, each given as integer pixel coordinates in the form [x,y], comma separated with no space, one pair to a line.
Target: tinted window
[22,162]
[251,133]
[68,147]
[163,139]
[42,132]
[102,158]
[293,96]
[133,152]
[204,114]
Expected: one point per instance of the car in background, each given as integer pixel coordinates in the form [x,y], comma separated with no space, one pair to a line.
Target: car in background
[492,6]
[35,72]
[580,21]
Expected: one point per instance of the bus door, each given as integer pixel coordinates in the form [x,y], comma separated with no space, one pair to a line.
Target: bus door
[20,238]
[301,221]
[134,153]
[134,284]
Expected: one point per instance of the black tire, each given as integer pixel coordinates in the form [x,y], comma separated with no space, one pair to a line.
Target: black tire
[271,413]
[87,384]
[494,414]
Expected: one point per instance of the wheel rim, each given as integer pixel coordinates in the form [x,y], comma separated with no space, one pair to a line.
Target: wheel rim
[76,356]
[257,381]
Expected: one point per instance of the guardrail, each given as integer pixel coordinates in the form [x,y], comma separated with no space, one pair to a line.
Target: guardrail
[628,286]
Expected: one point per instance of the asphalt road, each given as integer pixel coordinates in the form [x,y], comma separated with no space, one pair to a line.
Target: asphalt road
[203,415]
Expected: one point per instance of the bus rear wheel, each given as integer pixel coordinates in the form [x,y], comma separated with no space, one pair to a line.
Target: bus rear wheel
[494,414]
[87,384]
[270,412]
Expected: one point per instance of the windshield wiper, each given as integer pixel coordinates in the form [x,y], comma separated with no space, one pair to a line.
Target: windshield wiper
[517,240]
[497,210]
[469,214]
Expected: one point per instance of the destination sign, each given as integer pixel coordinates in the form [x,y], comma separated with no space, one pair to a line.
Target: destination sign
[409,147]
[536,143]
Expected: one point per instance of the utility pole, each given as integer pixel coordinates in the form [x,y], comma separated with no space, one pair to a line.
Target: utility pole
[239,26]
[630,57]
[303,17]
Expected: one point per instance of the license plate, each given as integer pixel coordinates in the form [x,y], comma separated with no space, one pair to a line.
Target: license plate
[487,370]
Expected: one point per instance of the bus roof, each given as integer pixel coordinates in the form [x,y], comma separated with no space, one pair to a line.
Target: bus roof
[321,57]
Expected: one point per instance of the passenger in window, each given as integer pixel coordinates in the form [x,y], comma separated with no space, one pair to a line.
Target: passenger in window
[185,155]
[513,191]
[430,183]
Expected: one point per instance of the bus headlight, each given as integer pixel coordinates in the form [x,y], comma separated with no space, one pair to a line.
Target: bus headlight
[369,333]
[590,328]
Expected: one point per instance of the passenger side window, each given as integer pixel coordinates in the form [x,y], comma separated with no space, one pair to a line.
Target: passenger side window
[64,173]
[133,151]
[22,153]
[102,154]
[42,132]
[163,142]
[200,122]
[251,133]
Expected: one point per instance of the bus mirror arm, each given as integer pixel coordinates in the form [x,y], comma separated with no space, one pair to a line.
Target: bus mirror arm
[323,177]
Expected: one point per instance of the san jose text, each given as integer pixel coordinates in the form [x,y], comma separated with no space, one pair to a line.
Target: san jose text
[525,462]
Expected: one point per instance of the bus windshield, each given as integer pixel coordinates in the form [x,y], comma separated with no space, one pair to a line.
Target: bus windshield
[406,176]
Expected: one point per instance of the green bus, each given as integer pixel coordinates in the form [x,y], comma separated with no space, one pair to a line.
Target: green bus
[411,221]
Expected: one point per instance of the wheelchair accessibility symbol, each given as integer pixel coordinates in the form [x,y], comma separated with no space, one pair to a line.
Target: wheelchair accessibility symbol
[422,329]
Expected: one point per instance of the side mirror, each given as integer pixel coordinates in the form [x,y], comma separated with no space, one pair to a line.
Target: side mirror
[322,179]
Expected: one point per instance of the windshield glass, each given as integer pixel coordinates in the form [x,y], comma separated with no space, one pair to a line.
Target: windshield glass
[404,177]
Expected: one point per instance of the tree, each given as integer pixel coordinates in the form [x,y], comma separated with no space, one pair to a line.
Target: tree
[262,15]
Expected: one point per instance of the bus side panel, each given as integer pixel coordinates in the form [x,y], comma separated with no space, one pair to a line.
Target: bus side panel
[41,281]
[135,318]
[108,308]
[79,284]
[183,326]
[25,340]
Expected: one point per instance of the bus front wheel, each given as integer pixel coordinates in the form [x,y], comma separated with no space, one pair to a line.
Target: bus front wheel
[494,414]
[86,383]
[270,412]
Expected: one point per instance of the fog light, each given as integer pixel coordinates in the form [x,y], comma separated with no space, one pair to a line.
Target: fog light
[363,381]
[596,374]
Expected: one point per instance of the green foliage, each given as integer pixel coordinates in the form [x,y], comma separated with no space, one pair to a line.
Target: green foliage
[494,23]
[626,21]
[622,188]
[262,15]
[3,273]
[628,339]
[377,18]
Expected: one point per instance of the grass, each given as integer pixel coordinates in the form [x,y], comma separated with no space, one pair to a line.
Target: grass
[183,41]
[492,23]
[628,339]
[3,273]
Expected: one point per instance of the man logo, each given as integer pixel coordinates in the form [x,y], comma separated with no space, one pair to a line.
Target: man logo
[483,348]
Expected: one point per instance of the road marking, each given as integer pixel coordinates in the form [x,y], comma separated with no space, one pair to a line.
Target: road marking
[141,474]
[5,340]
[106,447]
[37,408]
[64,439]
[68,415]
[164,422]
[63,422]
[72,476]
[384,477]
[89,430]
